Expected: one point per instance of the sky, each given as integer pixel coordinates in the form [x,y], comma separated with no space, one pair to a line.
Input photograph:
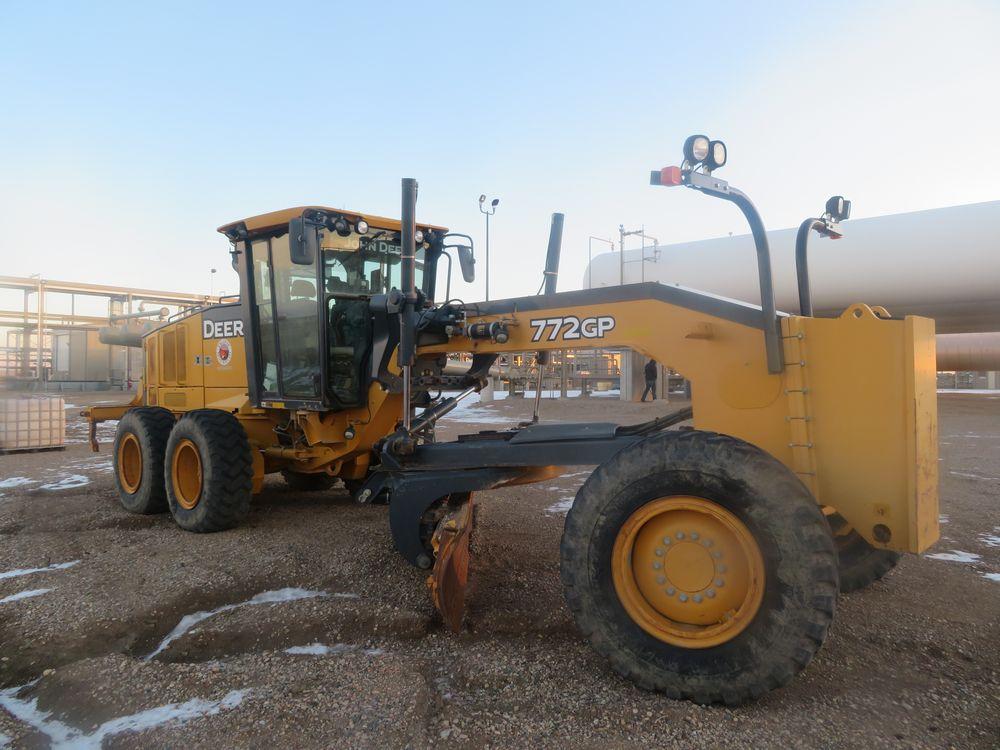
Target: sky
[130,131]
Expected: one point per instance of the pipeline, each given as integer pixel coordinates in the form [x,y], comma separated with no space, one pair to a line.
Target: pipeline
[977,352]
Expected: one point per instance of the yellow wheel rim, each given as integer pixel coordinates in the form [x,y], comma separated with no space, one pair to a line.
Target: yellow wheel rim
[129,463]
[185,473]
[688,572]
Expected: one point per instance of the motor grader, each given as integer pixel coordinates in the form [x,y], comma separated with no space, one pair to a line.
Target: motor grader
[702,561]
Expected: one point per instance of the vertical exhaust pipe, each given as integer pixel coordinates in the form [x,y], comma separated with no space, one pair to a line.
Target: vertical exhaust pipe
[548,287]
[552,254]
[407,275]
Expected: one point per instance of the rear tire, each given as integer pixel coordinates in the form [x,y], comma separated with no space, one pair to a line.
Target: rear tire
[140,443]
[782,544]
[301,482]
[860,564]
[209,471]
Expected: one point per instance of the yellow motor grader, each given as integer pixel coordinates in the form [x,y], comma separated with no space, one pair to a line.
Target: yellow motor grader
[703,561]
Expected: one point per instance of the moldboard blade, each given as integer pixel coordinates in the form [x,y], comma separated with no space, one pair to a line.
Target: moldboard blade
[450,575]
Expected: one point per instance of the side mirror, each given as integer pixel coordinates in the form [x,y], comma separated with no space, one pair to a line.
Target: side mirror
[468,263]
[303,241]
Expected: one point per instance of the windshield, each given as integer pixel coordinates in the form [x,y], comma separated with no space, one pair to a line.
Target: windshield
[373,268]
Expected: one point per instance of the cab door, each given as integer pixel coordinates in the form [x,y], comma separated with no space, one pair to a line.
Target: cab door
[286,317]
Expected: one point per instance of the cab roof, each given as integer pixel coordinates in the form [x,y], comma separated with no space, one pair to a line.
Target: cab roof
[276,219]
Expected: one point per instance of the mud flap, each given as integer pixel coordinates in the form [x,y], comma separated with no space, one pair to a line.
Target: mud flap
[450,575]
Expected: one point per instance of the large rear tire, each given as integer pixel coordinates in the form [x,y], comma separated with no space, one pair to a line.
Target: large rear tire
[700,566]
[209,471]
[140,443]
[859,563]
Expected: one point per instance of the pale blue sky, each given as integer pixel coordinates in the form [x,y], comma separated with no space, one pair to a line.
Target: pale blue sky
[130,131]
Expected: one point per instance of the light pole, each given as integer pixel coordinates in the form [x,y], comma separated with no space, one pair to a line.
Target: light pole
[488,213]
[211,283]
[590,257]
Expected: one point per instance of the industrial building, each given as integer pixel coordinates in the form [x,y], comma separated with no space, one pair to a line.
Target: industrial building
[50,332]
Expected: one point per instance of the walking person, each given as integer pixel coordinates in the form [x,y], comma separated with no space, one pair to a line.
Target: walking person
[650,371]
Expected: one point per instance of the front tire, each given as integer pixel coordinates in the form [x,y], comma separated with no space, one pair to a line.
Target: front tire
[700,566]
[140,442]
[209,471]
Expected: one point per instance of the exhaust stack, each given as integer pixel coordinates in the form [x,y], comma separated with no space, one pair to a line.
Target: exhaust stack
[548,287]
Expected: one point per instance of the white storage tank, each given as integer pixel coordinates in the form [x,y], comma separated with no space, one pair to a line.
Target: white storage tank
[943,263]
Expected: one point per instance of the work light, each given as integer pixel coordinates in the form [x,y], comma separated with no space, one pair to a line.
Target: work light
[341,227]
[716,155]
[418,237]
[839,208]
[696,149]
[361,227]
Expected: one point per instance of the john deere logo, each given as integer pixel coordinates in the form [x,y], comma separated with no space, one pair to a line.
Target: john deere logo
[216,329]
[223,352]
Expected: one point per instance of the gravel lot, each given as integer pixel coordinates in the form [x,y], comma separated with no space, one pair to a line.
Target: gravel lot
[911,662]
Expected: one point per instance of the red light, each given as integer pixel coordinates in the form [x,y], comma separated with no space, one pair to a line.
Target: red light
[671,176]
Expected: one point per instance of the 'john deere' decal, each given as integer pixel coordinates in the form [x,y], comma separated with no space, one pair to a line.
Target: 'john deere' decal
[217,329]
[571,328]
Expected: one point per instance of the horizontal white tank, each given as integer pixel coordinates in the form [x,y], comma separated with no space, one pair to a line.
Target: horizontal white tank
[943,263]
[968,351]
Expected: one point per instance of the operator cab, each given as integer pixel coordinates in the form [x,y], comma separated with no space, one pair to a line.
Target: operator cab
[309,319]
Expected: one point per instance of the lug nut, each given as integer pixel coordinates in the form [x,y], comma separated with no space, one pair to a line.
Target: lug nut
[719,582]
[710,593]
[697,598]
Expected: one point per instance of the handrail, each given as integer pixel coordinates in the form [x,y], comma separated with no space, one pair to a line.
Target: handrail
[802,263]
[721,189]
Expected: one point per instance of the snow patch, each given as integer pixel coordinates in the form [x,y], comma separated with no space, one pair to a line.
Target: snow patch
[28,571]
[68,482]
[320,649]
[974,476]
[561,508]
[991,540]
[956,555]
[24,595]
[11,482]
[65,737]
[475,415]
[98,463]
[268,597]
[992,577]
[970,391]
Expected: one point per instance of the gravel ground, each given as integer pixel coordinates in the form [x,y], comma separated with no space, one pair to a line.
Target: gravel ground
[911,662]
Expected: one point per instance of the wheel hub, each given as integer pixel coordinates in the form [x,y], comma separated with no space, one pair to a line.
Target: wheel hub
[688,571]
[186,474]
[129,463]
